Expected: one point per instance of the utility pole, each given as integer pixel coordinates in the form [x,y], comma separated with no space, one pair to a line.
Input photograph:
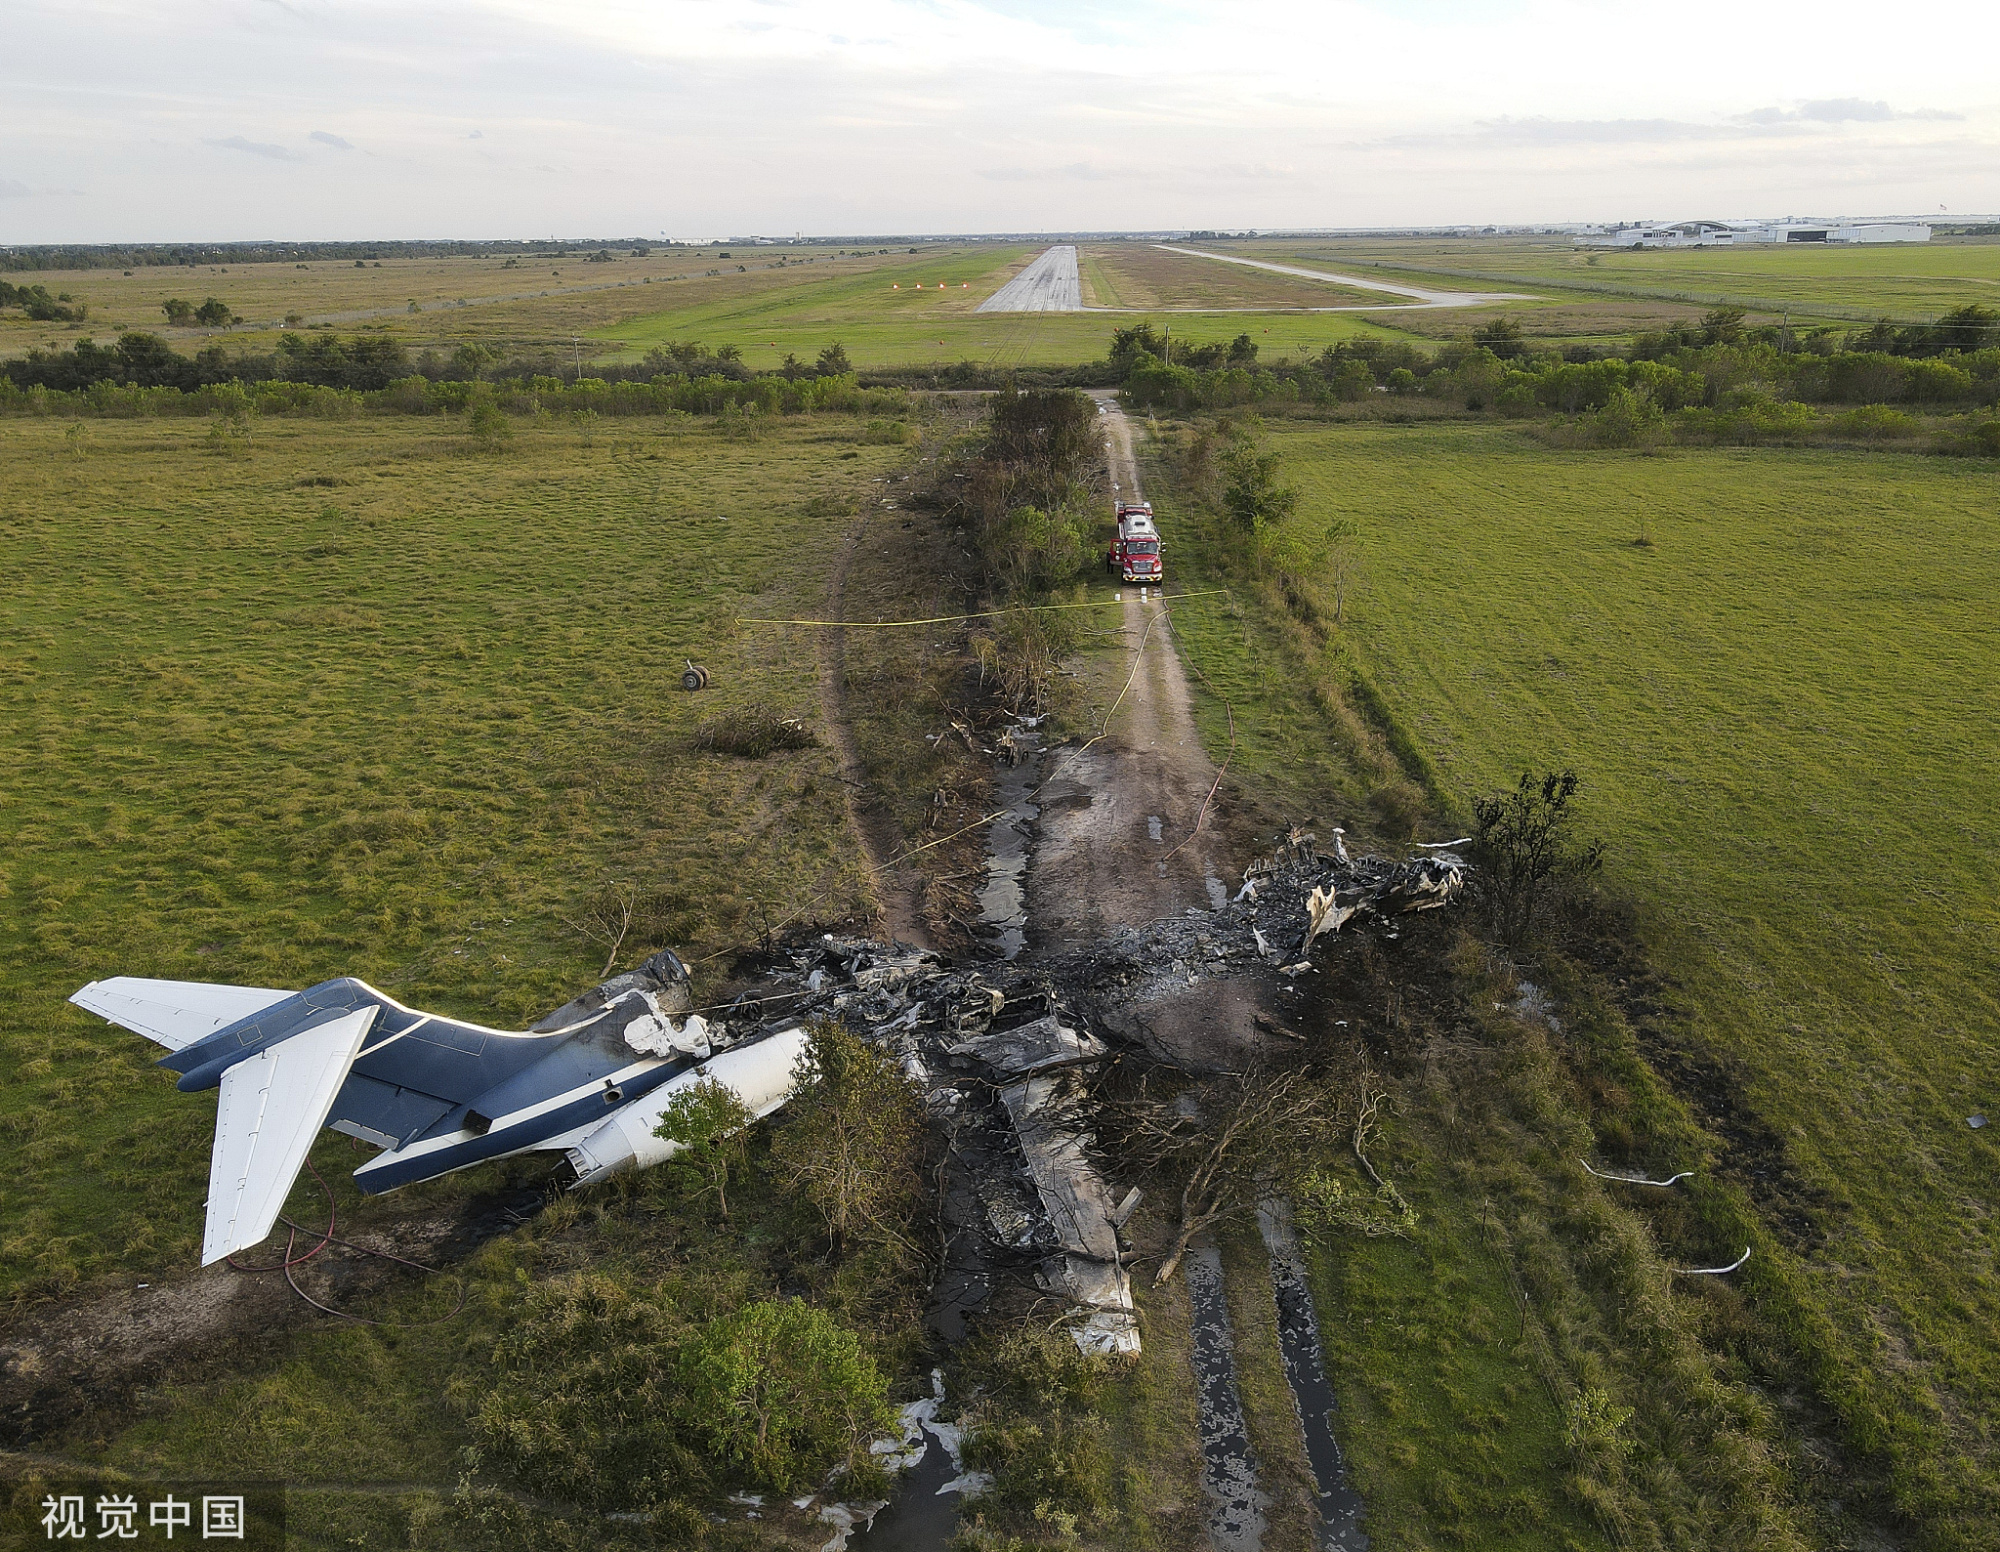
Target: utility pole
[576,343]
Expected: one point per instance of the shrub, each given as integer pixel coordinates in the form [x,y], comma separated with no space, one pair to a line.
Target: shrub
[1981,440]
[852,1143]
[1530,863]
[782,1390]
[583,1406]
[487,424]
[1874,423]
[1627,419]
[611,1397]
[1037,1433]
[1933,382]
[753,733]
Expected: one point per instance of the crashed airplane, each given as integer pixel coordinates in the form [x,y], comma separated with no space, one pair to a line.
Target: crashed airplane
[1000,1056]
[434,1094]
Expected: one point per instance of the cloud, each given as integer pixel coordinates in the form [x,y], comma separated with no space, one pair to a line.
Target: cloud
[13,188]
[1842,110]
[1542,131]
[329,140]
[477,134]
[1531,133]
[276,153]
[1075,172]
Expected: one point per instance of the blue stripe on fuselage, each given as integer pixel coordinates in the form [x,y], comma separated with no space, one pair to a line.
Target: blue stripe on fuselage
[386,1172]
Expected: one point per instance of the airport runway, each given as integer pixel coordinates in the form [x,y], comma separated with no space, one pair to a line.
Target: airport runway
[1049,285]
[1417,294]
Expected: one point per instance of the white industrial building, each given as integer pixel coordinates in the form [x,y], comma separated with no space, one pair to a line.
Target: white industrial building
[1726,234]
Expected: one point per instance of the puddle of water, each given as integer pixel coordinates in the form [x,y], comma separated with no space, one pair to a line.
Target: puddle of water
[1218,892]
[1153,826]
[1305,1370]
[1003,902]
[1228,1470]
[922,1516]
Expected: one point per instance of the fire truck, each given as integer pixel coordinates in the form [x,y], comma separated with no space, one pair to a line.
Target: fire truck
[1134,555]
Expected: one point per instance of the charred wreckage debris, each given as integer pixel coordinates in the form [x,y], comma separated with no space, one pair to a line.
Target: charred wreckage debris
[1003,1056]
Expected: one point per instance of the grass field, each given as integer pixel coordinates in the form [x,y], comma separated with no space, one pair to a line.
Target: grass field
[1145,275]
[1901,280]
[883,319]
[366,701]
[885,308]
[1784,709]
[539,301]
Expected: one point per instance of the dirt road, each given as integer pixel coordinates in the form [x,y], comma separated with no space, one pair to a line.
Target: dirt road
[1116,815]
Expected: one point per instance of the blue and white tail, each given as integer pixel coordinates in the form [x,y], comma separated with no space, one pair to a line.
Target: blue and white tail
[272,1103]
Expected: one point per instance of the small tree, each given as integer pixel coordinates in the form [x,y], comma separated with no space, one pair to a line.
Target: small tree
[1132,345]
[781,1389]
[1252,493]
[487,424]
[709,1123]
[1503,337]
[213,314]
[472,359]
[1343,563]
[852,1142]
[1722,326]
[833,361]
[1528,854]
[1627,419]
[179,313]
[1217,1153]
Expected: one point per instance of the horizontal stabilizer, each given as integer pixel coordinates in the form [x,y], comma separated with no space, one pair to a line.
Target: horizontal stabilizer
[271,1107]
[173,1013]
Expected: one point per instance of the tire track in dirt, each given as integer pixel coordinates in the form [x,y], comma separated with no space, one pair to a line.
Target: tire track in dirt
[897,889]
[1115,815]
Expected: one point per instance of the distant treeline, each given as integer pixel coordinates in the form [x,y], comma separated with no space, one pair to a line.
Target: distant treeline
[326,375]
[962,375]
[366,362]
[1716,366]
[155,255]
[36,302]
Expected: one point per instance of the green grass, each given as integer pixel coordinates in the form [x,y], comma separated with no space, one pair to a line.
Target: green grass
[882,326]
[1452,1437]
[368,702]
[1904,280]
[1783,709]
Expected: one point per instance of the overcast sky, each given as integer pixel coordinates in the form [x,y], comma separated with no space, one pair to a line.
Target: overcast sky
[698,118]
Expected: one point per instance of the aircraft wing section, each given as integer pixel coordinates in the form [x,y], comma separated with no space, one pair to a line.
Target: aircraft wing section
[272,1105]
[173,1013]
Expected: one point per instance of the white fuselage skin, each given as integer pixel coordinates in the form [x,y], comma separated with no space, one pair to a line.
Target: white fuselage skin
[762,1075]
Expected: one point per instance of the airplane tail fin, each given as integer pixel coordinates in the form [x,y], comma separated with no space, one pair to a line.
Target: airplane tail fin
[271,1107]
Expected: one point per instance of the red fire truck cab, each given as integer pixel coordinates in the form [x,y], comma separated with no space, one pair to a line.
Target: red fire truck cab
[1134,555]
